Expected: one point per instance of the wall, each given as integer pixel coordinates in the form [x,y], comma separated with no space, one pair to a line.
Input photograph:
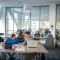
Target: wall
[52,18]
[2,20]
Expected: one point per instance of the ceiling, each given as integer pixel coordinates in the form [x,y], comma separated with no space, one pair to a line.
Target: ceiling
[18,3]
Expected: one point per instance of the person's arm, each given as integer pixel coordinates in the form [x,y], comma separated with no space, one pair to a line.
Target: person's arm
[15,41]
[6,40]
[25,42]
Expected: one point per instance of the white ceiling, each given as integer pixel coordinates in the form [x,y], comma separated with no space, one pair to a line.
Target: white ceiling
[18,3]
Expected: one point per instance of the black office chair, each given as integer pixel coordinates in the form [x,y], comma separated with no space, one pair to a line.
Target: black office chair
[20,40]
[1,39]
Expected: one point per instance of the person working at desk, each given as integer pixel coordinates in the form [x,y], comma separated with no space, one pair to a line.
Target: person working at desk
[20,36]
[12,40]
[49,40]
[49,35]
[27,56]
[37,35]
[1,40]
[27,37]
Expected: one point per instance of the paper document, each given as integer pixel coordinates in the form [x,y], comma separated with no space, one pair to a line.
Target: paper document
[18,49]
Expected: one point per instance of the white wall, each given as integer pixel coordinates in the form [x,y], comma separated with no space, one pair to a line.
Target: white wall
[2,20]
[52,18]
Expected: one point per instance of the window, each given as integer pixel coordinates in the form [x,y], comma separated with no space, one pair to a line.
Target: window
[35,20]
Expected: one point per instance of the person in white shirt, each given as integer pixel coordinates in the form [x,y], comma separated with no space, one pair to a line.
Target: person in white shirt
[27,56]
[27,37]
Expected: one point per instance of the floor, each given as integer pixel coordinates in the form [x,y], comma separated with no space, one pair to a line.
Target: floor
[53,53]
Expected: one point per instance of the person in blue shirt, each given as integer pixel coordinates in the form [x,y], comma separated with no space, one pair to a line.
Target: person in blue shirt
[49,35]
[12,40]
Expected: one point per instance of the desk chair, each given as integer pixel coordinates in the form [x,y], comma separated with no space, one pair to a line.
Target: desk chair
[20,40]
[50,42]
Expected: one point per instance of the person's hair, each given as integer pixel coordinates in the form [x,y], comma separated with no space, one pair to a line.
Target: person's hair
[20,33]
[38,32]
[27,32]
[12,35]
[22,30]
[49,31]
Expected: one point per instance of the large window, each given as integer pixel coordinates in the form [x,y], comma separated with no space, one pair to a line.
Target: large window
[58,20]
[35,20]
[13,20]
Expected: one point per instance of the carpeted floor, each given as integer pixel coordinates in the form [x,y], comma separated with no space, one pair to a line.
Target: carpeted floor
[53,53]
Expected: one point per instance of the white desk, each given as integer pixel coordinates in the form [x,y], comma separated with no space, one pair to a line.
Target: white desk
[40,49]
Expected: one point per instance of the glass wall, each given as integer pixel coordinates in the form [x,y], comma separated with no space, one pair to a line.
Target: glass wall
[13,20]
[2,22]
[37,19]
[58,22]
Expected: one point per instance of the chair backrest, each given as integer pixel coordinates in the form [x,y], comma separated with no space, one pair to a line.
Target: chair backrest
[50,42]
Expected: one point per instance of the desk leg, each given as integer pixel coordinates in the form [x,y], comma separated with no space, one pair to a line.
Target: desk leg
[21,56]
[40,56]
[45,56]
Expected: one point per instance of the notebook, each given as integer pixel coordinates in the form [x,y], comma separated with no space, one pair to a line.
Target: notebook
[32,43]
[8,45]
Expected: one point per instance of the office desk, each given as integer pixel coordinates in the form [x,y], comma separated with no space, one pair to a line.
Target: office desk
[24,48]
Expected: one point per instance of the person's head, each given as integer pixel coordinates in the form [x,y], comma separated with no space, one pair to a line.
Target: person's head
[20,32]
[27,34]
[23,31]
[49,31]
[13,36]
[37,32]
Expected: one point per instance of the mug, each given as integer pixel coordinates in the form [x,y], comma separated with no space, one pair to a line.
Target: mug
[15,46]
[2,43]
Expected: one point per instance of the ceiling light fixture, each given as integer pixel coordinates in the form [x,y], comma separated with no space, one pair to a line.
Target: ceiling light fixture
[27,7]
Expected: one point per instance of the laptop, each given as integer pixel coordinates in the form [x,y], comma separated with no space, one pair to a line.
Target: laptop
[8,45]
[32,43]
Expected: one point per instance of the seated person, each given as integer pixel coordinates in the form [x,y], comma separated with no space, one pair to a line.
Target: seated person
[27,37]
[12,40]
[20,36]
[1,40]
[49,40]
[57,34]
[49,35]
[23,32]
[27,56]
[37,35]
